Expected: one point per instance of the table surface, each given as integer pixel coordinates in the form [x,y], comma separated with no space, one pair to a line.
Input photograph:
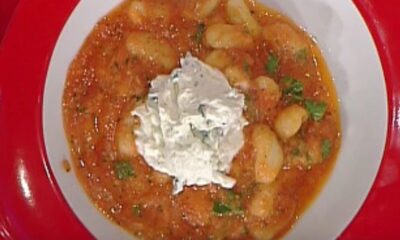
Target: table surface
[31,205]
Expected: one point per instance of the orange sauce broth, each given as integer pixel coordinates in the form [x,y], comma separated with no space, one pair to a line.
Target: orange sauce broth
[104,84]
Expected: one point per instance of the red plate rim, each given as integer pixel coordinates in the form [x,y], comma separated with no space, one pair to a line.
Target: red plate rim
[31,205]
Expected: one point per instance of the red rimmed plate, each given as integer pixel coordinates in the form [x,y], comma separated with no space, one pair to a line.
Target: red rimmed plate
[31,204]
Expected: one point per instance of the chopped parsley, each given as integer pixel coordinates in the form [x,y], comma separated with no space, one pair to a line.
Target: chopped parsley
[138,98]
[309,161]
[272,64]
[316,109]
[231,196]
[237,211]
[301,55]
[293,89]
[221,208]
[123,170]
[326,147]
[198,35]
[246,67]
[202,110]
[137,210]
[229,207]
[296,152]
[81,109]
[201,134]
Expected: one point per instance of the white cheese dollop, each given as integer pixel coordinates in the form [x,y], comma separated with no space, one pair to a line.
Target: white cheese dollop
[191,125]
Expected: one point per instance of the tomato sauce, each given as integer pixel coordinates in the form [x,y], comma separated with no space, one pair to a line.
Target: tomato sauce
[106,82]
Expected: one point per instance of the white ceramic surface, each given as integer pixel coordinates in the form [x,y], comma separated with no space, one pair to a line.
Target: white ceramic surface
[355,66]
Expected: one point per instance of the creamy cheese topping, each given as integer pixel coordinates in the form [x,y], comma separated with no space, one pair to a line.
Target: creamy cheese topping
[191,125]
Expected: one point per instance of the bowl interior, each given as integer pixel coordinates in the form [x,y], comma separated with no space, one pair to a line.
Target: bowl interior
[354,63]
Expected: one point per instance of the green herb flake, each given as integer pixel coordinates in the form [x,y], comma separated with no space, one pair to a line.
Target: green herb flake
[247,99]
[237,211]
[201,134]
[301,55]
[231,196]
[309,161]
[316,109]
[137,210]
[202,110]
[81,109]
[123,170]
[296,152]
[246,67]
[272,64]
[198,35]
[221,208]
[293,88]
[138,99]
[326,148]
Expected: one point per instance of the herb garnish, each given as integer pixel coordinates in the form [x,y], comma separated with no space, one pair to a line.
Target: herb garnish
[301,55]
[272,64]
[198,35]
[316,109]
[137,210]
[293,89]
[326,147]
[123,170]
[230,207]
[221,208]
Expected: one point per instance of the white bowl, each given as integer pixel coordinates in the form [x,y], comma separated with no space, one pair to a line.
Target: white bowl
[354,63]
